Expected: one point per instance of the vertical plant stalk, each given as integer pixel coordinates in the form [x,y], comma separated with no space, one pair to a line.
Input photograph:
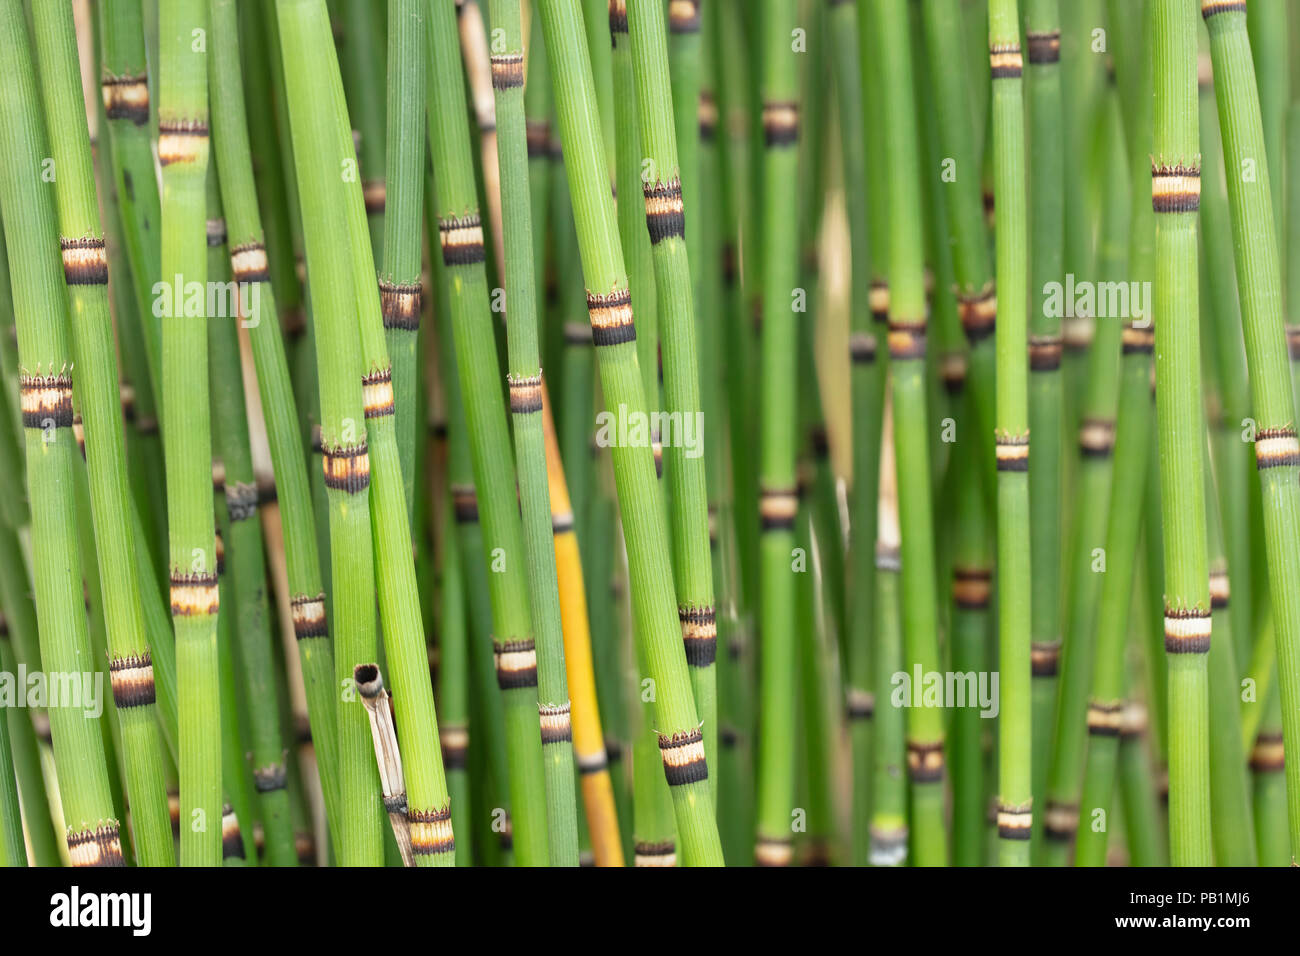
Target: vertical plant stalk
[1175,192]
[609,308]
[907,352]
[388,756]
[665,215]
[85,269]
[361,58]
[526,407]
[1277,452]
[462,250]
[250,269]
[183,155]
[1015,807]
[305,42]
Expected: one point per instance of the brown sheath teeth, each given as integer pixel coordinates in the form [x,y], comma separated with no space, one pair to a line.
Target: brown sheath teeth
[562,523]
[309,617]
[1210,8]
[1269,753]
[216,232]
[952,370]
[525,393]
[270,778]
[241,500]
[1134,340]
[862,348]
[1097,437]
[1105,719]
[888,557]
[706,114]
[780,124]
[431,831]
[84,261]
[1044,658]
[906,341]
[699,634]
[399,304]
[684,16]
[1175,188]
[464,502]
[46,400]
[1219,588]
[878,300]
[1045,353]
[1012,452]
[655,854]
[1277,448]
[972,588]
[126,97]
[979,315]
[1044,47]
[777,508]
[347,469]
[193,594]
[1005,61]
[454,741]
[1187,631]
[665,216]
[377,393]
[181,141]
[1060,821]
[538,135]
[101,846]
[232,842]
[79,432]
[375,195]
[1015,823]
[773,851]
[132,680]
[516,663]
[611,318]
[925,762]
[248,263]
[861,704]
[556,725]
[462,240]
[507,71]
[617,18]
[683,757]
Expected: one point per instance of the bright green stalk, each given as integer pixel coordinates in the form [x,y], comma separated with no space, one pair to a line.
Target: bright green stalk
[361,57]
[248,260]
[1046,419]
[907,349]
[45,359]
[658,631]
[462,251]
[183,153]
[1269,44]
[236,781]
[1175,198]
[305,41]
[666,218]
[1015,810]
[125,91]
[453,687]
[683,64]
[86,274]
[1276,453]
[595,16]
[13,852]
[399,283]
[525,381]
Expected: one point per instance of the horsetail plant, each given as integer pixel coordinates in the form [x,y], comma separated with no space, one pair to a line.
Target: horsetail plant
[1015,807]
[85,269]
[609,308]
[1277,451]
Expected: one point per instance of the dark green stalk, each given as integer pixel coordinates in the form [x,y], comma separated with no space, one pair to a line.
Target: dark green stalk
[361,57]
[45,358]
[85,269]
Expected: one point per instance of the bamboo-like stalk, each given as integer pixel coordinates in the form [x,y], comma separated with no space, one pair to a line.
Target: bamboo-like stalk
[250,269]
[86,275]
[526,407]
[462,251]
[680,740]
[1175,190]
[45,358]
[305,39]
[683,69]
[13,852]
[361,60]
[665,214]
[1015,809]
[183,154]
[399,282]
[1277,452]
